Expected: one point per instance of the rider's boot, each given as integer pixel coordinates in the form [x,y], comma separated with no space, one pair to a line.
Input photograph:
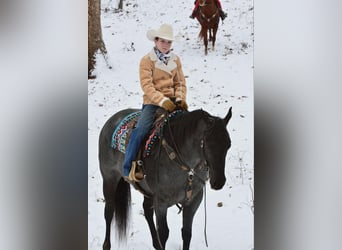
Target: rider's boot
[194,13]
[223,15]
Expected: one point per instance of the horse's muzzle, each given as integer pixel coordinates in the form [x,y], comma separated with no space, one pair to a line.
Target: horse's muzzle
[217,183]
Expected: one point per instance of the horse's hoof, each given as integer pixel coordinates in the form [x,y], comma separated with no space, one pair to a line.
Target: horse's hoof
[106,246]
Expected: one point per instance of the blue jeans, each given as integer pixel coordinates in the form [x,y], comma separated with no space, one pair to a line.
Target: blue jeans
[138,134]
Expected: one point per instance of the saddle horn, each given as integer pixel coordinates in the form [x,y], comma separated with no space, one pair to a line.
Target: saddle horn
[228,116]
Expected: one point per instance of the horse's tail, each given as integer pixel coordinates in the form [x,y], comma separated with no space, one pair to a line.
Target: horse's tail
[122,207]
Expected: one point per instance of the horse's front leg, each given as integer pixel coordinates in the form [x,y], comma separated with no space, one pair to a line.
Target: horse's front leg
[162,228]
[205,39]
[210,35]
[189,211]
[214,36]
[148,212]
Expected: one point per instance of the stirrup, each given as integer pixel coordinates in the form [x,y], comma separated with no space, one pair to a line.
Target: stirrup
[136,174]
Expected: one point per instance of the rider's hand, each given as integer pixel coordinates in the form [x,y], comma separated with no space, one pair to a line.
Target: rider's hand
[168,105]
[182,105]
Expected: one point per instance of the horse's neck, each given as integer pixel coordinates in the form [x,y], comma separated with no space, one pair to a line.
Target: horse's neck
[184,135]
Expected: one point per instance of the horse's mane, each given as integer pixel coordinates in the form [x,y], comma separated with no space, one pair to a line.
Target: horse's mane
[183,125]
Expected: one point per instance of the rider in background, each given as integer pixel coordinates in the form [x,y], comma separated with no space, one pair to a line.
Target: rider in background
[163,83]
[223,15]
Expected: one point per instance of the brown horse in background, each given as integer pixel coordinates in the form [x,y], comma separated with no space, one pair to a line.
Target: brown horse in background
[208,16]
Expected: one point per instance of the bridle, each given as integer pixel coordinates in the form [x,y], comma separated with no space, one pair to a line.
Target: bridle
[191,171]
[208,19]
[175,155]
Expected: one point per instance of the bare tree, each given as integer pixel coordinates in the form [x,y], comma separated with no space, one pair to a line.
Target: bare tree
[95,40]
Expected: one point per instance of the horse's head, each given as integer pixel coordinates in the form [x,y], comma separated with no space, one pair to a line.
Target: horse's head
[202,3]
[191,129]
[216,144]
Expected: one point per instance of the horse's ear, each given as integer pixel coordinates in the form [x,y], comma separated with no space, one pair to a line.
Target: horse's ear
[228,116]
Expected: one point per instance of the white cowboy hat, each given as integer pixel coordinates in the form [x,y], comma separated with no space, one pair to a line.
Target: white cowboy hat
[165,31]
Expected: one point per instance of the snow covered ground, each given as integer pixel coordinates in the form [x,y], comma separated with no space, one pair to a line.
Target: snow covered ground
[222,79]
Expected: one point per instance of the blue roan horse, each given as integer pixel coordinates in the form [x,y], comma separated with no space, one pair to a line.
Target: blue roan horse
[191,148]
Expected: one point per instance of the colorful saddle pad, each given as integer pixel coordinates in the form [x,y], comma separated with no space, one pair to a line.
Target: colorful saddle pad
[122,132]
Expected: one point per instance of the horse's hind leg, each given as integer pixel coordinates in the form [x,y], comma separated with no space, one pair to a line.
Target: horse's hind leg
[188,216]
[148,211]
[117,201]
[205,38]
[108,191]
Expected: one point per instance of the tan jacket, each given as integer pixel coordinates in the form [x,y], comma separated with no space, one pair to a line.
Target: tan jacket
[159,81]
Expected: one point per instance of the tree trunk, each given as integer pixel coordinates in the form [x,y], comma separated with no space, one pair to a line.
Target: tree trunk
[120,4]
[95,41]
